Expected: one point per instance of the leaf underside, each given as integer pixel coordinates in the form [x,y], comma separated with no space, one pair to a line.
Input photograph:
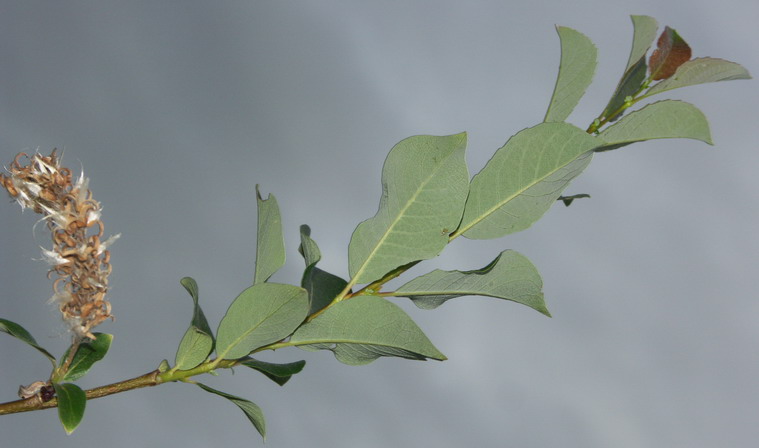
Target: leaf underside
[663,119]
[260,315]
[424,187]
[364,328]
[197,342]
[270,247]
[578,64]
[524,178]
[511,276]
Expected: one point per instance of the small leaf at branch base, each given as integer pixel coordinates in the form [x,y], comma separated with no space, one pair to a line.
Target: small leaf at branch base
[251,410]
[260,315]
[270,247]
[663,119]
[279,373]
[361,329]
[86,355]
[19,332]
[578,63]
[71,403]
[511,276]
[197,342]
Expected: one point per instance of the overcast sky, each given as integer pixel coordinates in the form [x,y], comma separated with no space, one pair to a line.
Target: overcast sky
[177,109]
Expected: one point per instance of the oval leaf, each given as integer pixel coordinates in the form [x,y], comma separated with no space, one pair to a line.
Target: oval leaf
[86,355]
[664,119]
[251,410]
[279,373]
[424,186]
[362,329]
[197,342]
[700,71]
[524,178]
[19,332]
[270,247]
[511,276]
[578,63]
[71,403]
[260,315]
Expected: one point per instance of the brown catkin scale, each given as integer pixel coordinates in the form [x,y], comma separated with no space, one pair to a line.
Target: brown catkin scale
[79,257]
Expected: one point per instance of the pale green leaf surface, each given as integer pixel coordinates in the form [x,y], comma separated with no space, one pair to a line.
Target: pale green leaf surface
[19,332]
[700,71]
[260,315]
[194,348]
[511,276]
[361,329]
[270,247]
[197,342]
[524,178]
[644,33]
[252,411]
[86,355]
[664,119]
[578,63]
[71,403]
[424,187]
[308,247]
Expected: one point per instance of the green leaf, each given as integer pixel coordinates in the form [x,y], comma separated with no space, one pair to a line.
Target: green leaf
[578,63]
[628,87]
[644,33]
[663,119]
[251,410]
[567,200]
[308,247]
[71,403]
[279,373]
[524,178]
[19,332]
[700,71]
[260,315]
[270,249]
[87,354]
[424,187]
[511,276]
[322,286]
[361,329]
[197,342]
[671,52]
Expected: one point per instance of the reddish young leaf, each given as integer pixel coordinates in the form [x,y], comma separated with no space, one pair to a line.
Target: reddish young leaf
[671,52]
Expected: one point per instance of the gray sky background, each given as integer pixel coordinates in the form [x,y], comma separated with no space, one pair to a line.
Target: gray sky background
[177,109]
